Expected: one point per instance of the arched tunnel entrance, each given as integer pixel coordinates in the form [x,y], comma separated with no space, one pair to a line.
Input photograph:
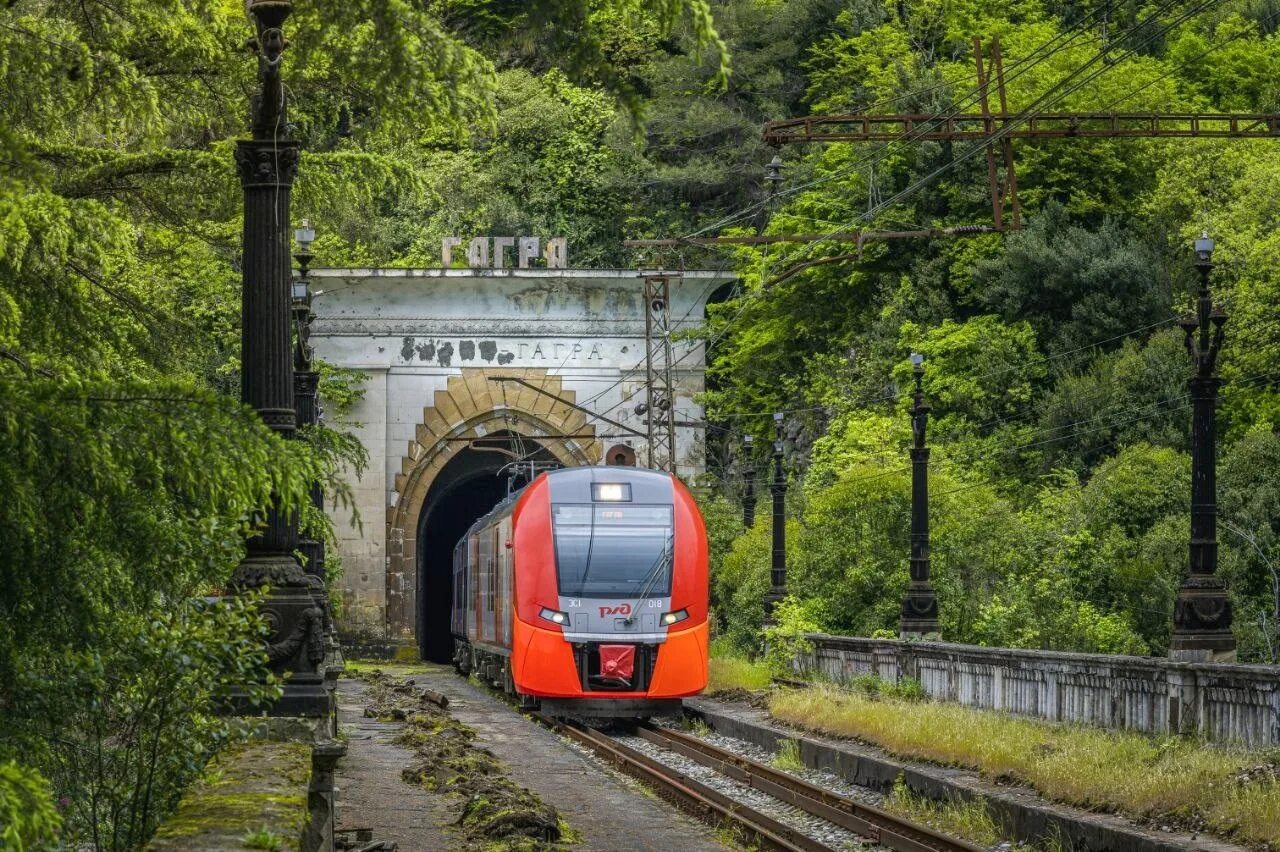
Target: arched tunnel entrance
[472,483]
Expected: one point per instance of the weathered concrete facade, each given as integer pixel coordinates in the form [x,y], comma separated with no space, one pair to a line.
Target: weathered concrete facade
[1217,701]
[430,342]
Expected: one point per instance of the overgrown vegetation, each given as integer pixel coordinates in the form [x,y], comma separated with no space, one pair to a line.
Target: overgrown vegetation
[968,818]
[787,758]
[1228,791]
[731,671]
[1060,478]
[1055,373]
[131,474]
[492,809]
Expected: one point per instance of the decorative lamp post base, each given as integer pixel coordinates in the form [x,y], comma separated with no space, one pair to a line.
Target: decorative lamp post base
[920,613]
[1202,622]
[771,601]
[296,644]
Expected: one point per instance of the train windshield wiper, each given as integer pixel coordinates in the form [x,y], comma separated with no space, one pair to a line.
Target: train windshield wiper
[655,571]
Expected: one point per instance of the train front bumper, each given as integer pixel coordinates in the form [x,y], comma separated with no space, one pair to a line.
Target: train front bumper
[543,664]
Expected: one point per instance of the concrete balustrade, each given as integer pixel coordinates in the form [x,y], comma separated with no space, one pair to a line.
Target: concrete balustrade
[1217,701]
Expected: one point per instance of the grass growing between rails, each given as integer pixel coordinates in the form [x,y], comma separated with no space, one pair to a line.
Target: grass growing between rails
[787,757]
[967,819]
[1229,791]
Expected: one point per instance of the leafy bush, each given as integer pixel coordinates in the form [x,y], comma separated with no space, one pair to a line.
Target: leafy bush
[125,757]
[28,818]
[785,639]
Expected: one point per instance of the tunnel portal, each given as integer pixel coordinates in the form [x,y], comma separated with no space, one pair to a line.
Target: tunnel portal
[471,484]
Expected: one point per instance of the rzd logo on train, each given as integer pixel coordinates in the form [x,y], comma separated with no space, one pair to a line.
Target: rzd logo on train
[624,609]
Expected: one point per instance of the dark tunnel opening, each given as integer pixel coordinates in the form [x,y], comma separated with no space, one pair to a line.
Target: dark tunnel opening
[470,485]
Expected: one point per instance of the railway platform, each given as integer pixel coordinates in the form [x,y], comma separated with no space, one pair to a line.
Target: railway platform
[606,811]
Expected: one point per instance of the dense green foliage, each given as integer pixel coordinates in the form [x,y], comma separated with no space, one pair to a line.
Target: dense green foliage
[1054,370]
[1060,477]
[28,818]
[131,474]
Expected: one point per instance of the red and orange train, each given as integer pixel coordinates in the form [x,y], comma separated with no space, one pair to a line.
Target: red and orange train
[586,593]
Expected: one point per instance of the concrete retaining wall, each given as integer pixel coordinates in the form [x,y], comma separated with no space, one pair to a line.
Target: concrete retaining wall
[1217,701]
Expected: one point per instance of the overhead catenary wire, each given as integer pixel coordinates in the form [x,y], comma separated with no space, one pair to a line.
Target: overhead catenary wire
[1183,66]
[958,107]
[1052,97]
[1028,113]
[1022,117]
[753,208]
[1052,93]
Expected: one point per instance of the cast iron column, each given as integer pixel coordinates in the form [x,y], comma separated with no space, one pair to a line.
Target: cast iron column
[920,605]
[749,483]
[267,164]
[1202,613]
[306,381]
[778,566]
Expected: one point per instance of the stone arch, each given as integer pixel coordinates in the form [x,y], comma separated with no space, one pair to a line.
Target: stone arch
[472,406]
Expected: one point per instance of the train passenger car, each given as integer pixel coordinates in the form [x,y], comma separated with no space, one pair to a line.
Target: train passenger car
[586,593]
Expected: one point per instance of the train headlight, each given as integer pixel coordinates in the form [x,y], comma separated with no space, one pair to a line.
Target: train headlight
[611,492]
[553,616]
[670,618]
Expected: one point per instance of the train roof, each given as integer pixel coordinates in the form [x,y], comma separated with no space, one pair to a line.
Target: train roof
[650,484]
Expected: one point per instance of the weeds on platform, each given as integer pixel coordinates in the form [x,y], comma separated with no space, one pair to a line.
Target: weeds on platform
[696,726]
[263,838]
[731,672]
[494,812]
[1177,781]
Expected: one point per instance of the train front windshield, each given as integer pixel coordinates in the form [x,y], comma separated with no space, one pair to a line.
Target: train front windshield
[614,551]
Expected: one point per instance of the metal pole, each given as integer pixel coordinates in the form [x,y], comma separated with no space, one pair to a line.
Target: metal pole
[749,483]
[267,164]
[306,382]
[1202,615]
[997,203]
[920,604]
[651,399]
[778,565]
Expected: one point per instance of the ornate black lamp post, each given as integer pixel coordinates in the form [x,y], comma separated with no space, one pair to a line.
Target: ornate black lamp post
[920,605]
[1202,613]
[305,378]
[267,164]
[778,566]
[749,484]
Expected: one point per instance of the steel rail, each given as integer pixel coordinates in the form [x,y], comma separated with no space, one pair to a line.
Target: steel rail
[889,830]
[691,795]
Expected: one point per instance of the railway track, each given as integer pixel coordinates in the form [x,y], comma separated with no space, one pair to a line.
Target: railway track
[753,825]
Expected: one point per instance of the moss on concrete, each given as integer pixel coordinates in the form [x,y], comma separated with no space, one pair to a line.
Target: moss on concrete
[495,812]
[400,667]
[250,787]
[406,654]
